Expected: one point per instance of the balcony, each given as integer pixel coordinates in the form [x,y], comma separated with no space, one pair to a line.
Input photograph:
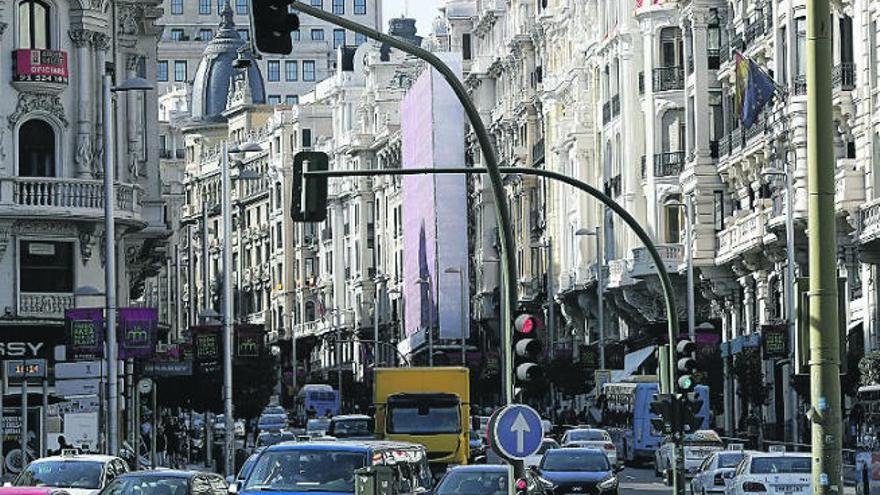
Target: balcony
[643,265]
[724,146]
[800,85]
[668,164]
[723,54]
[736,139]
[843,76]
[754,30]
[67,197]
[612,186]
[615,105]
[746,234]
[850,186]
[39,71]
[668,79]
[44,305]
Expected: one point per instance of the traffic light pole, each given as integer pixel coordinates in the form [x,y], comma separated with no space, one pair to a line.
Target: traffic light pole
[502,212]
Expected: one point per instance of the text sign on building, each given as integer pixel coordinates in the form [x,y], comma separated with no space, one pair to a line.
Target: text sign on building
[47,66]
[30,368]
[775,340]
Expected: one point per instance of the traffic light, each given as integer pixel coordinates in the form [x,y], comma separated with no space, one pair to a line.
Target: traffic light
[309,197]
[686,365]
[273,22]
[521,486]
[527,348]
[689,409]
[663,410]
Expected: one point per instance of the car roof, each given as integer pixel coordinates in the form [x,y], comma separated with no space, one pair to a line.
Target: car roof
[343,417]
[78,458]
[579,450]
[480,468]
[345,445]
[806,455]
[588,429]
[163,473]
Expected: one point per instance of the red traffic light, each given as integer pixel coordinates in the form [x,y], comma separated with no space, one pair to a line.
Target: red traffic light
[521,484]
[527,324]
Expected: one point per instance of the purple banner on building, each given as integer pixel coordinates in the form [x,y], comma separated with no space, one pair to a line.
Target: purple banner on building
[137,329]
[85,333]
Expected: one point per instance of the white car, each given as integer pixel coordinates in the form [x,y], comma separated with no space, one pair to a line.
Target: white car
[76,474]
[774,473]
[591,438]
[697,447]
[712,475]
[546,444]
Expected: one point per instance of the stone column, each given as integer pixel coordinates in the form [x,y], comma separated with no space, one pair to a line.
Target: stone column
[133,119]
[82,41]
[689,109]
[701,117]
[102,47]
[726,333]
[650,118]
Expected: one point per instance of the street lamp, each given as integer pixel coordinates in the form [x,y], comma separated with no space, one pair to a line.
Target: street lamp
[600,288]
[688,207]
[463,304]
[108,90]
[430,329]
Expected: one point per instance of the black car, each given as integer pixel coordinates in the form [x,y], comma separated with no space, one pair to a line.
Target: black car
[485,479]
[579,470]
[167,482]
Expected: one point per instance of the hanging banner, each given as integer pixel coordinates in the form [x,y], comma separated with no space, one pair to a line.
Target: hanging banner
[85,334]
[775,340]
[249,341]
[137,332]
[207,348]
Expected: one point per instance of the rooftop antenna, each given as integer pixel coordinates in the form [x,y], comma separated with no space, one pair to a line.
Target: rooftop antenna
[406,8]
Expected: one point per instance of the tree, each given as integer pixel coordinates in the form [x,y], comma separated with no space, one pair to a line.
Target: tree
[749,372]
[253,382]
[869,368]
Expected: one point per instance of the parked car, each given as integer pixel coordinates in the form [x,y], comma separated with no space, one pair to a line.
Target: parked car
[165,482]
[713,473]
[535,460]
[77,474]
[485,479]
[697,447]
[591,438]
[778,473]
[579,470]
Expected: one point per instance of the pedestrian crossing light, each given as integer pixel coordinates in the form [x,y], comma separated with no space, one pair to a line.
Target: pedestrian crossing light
[309,195]
[527,348]
[273,22]
[686,365]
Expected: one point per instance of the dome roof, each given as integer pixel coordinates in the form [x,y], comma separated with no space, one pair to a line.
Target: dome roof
[215,72]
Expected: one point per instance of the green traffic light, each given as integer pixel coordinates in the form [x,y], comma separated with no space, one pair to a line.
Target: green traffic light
[686,383]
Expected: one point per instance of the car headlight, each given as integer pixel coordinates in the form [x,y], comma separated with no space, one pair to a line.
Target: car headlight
[608,484]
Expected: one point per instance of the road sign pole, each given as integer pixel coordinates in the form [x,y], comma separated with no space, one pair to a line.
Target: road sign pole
[24,421]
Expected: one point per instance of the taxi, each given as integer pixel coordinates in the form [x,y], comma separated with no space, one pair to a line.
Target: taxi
[774,473]
[713,473]
[697,447]
[71,473]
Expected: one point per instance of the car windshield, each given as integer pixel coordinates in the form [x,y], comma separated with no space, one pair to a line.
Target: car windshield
[473,483]
[274,410]
[248,467]
[146,485]
[272,419]
[267,439]
[778,465]
[62,474]
[586,435]
[729,460]
[318,425]
[547,445]
[352,428]
[566,460]
[424,420]
[306,470]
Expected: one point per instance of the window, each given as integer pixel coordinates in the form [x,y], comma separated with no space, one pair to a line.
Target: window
[295,35]
[671,47]
[360,7]
[244,34]
[36,149]
[274,69]
[162,71]
[339,7]
[782,65]
[274,99]
[291,100]
[177,7]
[318,4]
[338,38]
[204,7]
[801,47]
[176,34]
[241,7]
[307,138]
[180,70]
[317,35]
[291,70]
[34,24]
[874,53]
[673,223]
[718,212]
[206,34]
[359,39]
[308,70]
[466,46]
[46,266]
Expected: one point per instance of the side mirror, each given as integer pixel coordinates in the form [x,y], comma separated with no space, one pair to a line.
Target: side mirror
[234,488]
[618,468]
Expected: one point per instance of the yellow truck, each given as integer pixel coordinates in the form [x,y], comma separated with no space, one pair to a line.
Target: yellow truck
[429,406]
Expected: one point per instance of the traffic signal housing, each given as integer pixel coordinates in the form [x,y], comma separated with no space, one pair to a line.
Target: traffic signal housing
[309,195]
[663,410]
[686,364]
[689,408]
[273,22]
[527,348]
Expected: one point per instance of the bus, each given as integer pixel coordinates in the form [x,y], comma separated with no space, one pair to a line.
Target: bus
[321,399]
[626,415]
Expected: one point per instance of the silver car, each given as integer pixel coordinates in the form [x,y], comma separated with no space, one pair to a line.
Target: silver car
[713,473]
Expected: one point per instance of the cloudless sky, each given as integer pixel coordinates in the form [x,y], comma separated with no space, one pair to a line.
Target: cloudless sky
[423,10]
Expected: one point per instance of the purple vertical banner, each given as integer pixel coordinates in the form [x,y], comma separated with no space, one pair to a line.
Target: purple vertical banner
[137,332]
[207,348]
[85,333]
[249,341]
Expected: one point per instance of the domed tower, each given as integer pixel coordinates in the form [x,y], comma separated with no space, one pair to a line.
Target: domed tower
[215,72]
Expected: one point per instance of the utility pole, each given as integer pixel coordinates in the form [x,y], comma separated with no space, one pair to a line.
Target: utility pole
[824,336]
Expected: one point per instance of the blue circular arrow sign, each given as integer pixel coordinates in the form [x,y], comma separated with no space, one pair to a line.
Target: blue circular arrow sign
[516,432]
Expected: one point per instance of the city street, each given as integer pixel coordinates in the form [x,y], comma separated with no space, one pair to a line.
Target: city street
[639,481]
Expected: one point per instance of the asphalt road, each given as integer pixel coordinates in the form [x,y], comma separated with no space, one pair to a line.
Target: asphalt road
[641,481]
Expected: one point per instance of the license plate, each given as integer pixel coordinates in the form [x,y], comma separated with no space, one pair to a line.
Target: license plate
[789,488]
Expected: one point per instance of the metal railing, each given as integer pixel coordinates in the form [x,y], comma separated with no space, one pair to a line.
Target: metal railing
[70,193]
[606,112]
[843,76]
[668,79]
[668,164]
[724,145]
[800,84]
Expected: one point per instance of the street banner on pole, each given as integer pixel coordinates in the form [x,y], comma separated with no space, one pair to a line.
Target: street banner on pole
[85,333]
[249,341]
[137,332]
[206,349]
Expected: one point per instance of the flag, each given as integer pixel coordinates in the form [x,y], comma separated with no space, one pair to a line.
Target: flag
[754,89]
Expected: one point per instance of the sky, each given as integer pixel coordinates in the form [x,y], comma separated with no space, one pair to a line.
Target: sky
[423,10]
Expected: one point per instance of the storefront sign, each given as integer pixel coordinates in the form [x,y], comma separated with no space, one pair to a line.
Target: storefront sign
[775,340]
[47,66]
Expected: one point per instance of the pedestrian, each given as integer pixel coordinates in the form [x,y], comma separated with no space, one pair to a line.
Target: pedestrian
[62,445]
[160,447]
[172,444]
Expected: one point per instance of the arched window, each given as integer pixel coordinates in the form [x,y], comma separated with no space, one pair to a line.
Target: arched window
[36,149]
[34,24]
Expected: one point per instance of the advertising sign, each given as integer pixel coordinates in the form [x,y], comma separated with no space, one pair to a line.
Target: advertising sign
[137,332]
[30,342]
[77,386]
[775,340]
[49,66]
[81,430]
[207,349]
[11,436]
[85,333]
[249,341]
[82,369]
[76,405]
